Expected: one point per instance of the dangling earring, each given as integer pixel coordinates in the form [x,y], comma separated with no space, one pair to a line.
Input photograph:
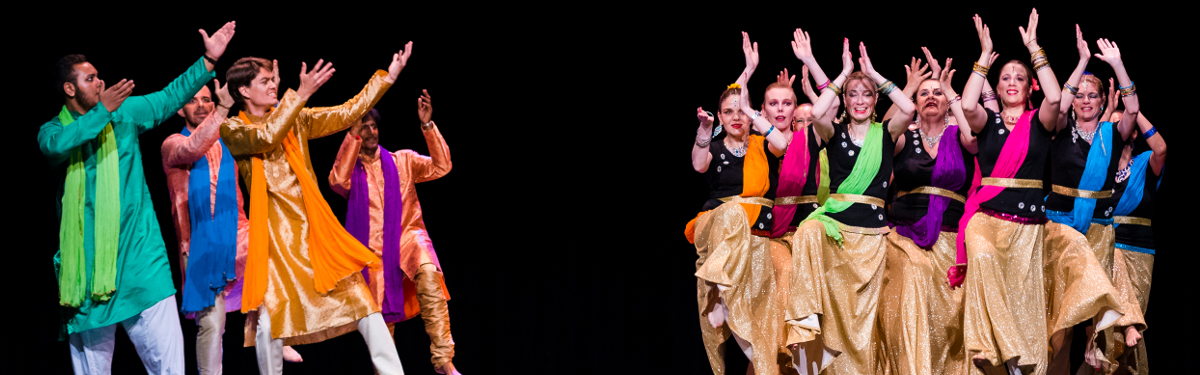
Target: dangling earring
[841,119]
[872,116]
[1073,114]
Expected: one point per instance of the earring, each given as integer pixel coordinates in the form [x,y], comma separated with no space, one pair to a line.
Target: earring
[872,116]
[842,117]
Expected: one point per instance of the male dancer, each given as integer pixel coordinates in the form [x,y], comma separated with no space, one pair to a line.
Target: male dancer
[384,214]
[221,236]
[112,262]
[302,269]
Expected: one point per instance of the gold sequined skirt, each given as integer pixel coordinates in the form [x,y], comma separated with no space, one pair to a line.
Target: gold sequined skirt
[842,284]
[752,271]
[1135,268]
[920,315]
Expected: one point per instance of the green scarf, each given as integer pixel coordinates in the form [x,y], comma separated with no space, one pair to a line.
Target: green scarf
[72,281]
[860,177]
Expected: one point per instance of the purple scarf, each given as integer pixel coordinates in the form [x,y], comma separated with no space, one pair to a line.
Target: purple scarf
[949,174]
[358,223]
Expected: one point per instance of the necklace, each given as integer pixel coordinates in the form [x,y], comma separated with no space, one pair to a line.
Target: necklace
[1086,135]
[932,141]
[1124,172]
[854,139]
[739,151]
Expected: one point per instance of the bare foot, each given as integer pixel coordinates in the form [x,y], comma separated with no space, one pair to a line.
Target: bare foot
[1132,336]
[291,355]
[716,317]
[448,369]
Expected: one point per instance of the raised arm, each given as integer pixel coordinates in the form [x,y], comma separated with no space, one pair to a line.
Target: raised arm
[178,149]
[437,164]
[244,139]
[323,121]
[701,156]
[1156,142]
[973,113]
[341,175]
[965,138]
[1110,54]
[776,142]
[831,91]
[1071,87]
[1112,101]
[750,52]
[916,72]
[150,110]
[897,125]
[1049,109]
[988,95]
[806,86]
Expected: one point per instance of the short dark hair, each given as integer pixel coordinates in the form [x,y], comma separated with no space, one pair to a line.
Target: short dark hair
[65,71]
[242,73]
[373,114]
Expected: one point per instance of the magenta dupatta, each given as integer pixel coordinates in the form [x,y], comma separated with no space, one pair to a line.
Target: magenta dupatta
[1012,155]
[793,173]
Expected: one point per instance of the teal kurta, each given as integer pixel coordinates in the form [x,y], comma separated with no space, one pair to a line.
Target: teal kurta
[143,274]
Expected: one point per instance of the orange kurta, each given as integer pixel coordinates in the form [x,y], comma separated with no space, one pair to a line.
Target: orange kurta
[412,168]
[298,313]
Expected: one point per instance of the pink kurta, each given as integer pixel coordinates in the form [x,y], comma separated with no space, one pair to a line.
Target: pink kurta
[415,246]
[179,152]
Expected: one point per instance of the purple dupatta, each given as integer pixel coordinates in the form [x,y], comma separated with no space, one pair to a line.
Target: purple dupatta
[948,173]
[358,223]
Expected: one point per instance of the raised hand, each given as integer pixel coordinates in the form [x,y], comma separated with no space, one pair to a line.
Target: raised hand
[805,86]
[113,97]
[311,80]
[750,50]
[1113,98]
[215,45]
[223,97]
[275,68]
[425,107]
[992,58]
[946,76]
[847,58]
[802,45]
[933,64]
[917,72]
[399,60]
[865,62]
[784,78]
[985,34]
[1029,34]
[1109,52]
[1081,45]
[706,119]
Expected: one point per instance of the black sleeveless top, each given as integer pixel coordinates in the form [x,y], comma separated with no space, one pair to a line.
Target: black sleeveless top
[1022,202]
[1139,235]
[914,169]
[1069,157]
[725,179]
[842,154]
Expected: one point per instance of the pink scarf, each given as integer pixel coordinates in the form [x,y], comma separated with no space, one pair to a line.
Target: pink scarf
[792,176]
[1012,155]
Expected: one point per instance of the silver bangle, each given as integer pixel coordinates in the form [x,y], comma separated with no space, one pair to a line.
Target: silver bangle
[427,125]
[703,142]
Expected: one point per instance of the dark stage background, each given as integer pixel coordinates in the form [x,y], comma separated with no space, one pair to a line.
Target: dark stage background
[560,227]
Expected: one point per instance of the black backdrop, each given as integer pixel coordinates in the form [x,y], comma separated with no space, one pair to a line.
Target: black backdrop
[559,228]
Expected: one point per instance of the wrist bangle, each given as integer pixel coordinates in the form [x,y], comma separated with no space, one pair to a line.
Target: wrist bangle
[982,70]
[989,96]
[769,131]
[223,106]
[1150,133]
[702,142]
[824,85]
[886,87]
[1128,90]
[955,100]
[836,89]
[210,59]
[1067,87]
[427,125]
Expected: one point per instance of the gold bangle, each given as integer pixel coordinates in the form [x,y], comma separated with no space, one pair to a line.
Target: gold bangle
[1073,90]
[833,86]
[981,69]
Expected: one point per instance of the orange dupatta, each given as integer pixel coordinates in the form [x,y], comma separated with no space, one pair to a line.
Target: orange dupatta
[755,183]
[334,253]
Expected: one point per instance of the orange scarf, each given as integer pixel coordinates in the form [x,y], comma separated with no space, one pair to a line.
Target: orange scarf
[334,253]
[755,183]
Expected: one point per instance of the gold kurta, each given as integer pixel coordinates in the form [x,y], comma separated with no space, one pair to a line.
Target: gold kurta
[845,282]
[921,316]
[299,315]
[754,273]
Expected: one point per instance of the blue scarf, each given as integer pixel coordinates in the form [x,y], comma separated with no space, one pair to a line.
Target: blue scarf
[1094,175]
[1134,187]
[214,232]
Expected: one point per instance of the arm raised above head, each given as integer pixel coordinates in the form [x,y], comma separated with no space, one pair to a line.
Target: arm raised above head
[148,111]
[323,121]
[244,139]
[341,176]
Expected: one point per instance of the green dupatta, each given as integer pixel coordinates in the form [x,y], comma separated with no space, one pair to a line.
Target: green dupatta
[72,279]
[865,168]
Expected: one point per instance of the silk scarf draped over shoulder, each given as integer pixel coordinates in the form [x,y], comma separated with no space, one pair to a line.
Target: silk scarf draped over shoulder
[1094,174]
[1012,156]
[793,174]
[213,245]
[71,259]
[358,223]
[948,173]
[864,171]
[755,182]
[334,253]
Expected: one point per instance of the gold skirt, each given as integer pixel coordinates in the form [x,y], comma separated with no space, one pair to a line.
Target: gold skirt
[920,315]
[1131,272]
[753,271]
[842,285]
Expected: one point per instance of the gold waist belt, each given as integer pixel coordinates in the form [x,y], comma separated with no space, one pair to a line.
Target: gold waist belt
[855,198]
[802,199]
[1063,190]
[934,191]
[1019,183]
[1131,220]
[752,200]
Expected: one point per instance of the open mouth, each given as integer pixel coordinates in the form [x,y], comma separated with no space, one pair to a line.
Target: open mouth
[860,110]
[1011,92]
[780,119]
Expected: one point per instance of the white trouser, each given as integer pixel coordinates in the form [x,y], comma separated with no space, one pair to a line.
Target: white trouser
[208,339]
[379,344]
[155,334]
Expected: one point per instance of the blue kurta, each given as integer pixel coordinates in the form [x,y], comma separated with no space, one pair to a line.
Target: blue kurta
[143,274]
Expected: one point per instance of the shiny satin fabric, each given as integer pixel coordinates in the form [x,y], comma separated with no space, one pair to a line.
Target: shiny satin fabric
[1129,273]
[1004,301]
[1077,287]
[1102,240]
[299,315]
[920,315]
[1136,268]
[845,284]
[431,294]
[706,293]
[754,271]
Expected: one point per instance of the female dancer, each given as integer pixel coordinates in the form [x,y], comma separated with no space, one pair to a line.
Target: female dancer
[922,316]
[1084,157]
[838,252]
[731,236]
[1012,280]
